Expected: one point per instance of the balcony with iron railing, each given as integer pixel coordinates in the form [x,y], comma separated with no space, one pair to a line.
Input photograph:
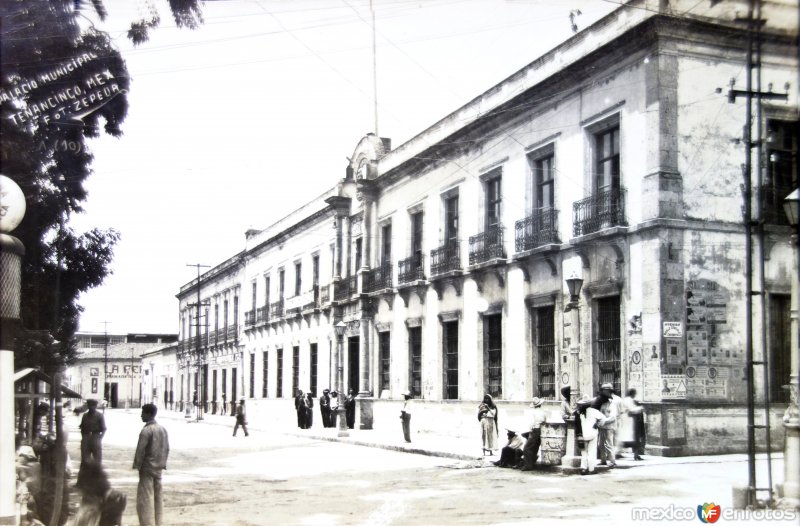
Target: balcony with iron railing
[262,315]
[379,278]
[410,269]
[249,319]
[538,229]
[346,288]
[603,210]
[487,245]
[324,295]
[233,333]
[772,202]
[446,258]
[276,310]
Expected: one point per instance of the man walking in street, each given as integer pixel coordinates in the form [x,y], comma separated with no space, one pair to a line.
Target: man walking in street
[405,416]
[150,459]
[241,419]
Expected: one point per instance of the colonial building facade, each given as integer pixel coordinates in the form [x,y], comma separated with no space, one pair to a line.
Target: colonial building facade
[611,162]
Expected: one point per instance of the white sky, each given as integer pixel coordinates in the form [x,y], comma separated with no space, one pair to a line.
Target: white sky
[236,124]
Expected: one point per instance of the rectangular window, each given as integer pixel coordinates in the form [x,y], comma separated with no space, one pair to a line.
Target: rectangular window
[295,369]
[493,354]
[213,386]
[493,201]
[235,311]
[450,342]
[543,182]
[279,379]
[252,375]
[545,352]
[416,238]
[415,361]
[224,383]
[386,237]
[315,270]
[234,384]
[216,317]
[384,378]
[607,344]
[264,374]
[298,285]
[313,376]
[357,255]
[451,219]
[281,284]
[780,347]
[254,295]
[607,167]
[782,146]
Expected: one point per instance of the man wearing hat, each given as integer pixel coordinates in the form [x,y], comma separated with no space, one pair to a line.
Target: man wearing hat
[325,408]
[241,419]
[531,449]
[405,416]
[93,427]
[607,441]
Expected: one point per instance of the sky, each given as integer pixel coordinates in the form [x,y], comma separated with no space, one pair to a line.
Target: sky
[235,124]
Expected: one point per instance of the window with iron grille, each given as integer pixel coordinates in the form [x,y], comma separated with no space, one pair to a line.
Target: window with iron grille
[295,369]
[493,354]
[415,361]
[385,357]
[493,201]
[607,344]
[607,167]
[264,374]
[450,343]
[252,375]
[313,374]
[782,169]
[545,352]
[451,219]
[279,371]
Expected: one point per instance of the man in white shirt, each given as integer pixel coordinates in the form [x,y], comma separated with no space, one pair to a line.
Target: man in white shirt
[609,406]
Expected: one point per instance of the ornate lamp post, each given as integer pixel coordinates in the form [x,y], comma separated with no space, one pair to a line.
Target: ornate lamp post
[572,456]
[340,410]
[791,419]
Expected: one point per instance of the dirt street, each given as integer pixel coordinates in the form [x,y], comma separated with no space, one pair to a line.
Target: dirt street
[270,478]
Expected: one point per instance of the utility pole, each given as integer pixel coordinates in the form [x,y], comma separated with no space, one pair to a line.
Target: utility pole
[199,389]
[753,66]
[374,71]
[106,385]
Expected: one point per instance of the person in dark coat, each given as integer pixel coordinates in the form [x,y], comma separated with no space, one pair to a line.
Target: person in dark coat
[308,411]
[325,408]
[241,419]
[299,408]
[350,408]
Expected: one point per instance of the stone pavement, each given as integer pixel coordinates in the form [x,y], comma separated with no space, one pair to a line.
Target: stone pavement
[467,449]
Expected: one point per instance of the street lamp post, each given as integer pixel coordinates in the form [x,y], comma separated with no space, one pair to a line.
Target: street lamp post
[791,419]
[339,327]
[572,456]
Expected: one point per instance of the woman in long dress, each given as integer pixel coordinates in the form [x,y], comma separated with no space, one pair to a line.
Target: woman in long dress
[487,416]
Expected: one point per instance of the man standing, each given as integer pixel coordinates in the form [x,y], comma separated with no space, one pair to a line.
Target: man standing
[405,416]
[150,459]
[299,407]
[607,441]
[530,452]
[241,419]
[93,427]
[325,407]
[350,408]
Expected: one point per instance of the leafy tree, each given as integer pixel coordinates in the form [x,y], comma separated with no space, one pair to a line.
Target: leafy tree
[62,82]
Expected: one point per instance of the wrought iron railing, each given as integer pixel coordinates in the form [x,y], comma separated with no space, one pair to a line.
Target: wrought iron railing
[324,295]
[446,258]
[341,290]
[249,318]
[539,228]
[262,315]
[233,332]
[410,269]
[596,212]
[276,310]
[378,278]
[486,245]
[772,201]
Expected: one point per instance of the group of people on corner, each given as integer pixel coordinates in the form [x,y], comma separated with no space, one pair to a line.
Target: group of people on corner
[100,504]
[329,404]
[603,426]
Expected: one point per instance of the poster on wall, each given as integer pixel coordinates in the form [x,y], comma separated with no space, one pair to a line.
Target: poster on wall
[673,387]
[709,353]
